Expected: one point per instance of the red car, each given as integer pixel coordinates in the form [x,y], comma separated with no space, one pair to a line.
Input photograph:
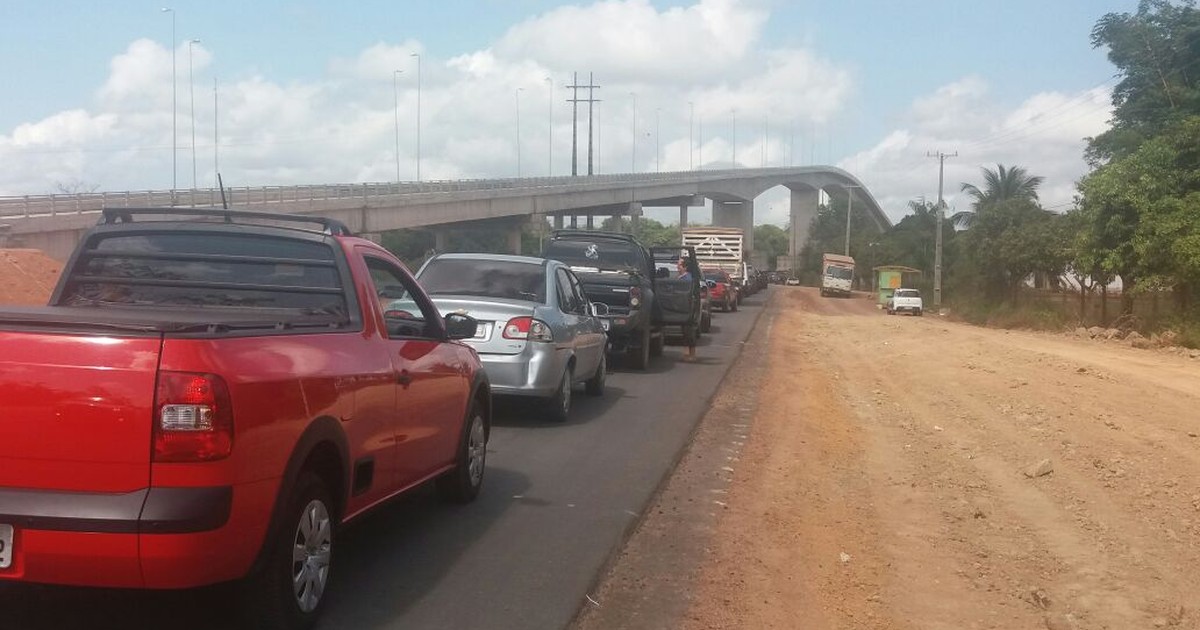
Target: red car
[724,291]
[206,401]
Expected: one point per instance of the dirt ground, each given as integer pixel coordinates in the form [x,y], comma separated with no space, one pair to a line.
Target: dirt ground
[27,276]
[885,482]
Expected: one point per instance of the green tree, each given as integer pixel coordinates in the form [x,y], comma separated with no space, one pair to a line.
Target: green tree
[1002,184]
[771,241]
[1157,54]
[1009,241]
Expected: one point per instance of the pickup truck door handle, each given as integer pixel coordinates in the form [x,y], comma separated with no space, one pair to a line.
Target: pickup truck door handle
[404,378]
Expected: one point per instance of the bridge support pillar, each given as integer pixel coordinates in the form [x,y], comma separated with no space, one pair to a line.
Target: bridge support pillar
[591,221]
[736,214]
[683,215]
[440,238]
[558,222]
[514,240]
[804,206]
[574,222]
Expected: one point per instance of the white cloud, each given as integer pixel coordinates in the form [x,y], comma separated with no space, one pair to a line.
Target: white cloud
[341,126]
[1045,134]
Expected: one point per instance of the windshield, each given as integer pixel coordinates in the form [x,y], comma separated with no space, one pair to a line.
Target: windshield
[841,273]
[485,278]
[604,255]
[908,293]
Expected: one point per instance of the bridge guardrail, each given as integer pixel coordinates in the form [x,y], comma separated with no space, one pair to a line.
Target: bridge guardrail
[29,206]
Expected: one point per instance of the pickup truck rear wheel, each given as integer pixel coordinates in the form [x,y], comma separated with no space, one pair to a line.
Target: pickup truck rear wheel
[657,343]
[288,592]
[639,356]
[733,305]
[461,485]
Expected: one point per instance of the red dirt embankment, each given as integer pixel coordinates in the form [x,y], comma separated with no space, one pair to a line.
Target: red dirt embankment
[27,276]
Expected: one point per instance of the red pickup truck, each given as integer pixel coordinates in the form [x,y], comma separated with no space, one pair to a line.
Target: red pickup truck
[211,394]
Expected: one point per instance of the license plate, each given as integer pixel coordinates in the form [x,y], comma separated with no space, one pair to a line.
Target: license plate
[6,546]
[607,324]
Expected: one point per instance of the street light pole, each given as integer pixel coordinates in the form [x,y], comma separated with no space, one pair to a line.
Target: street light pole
[192,98]
[396,115]
[550,129]
[733,112]
[657,139]
[766,135]
[700,143]
[691,135]
[216,135]
[518,94]
[174,108]
[633,151]
[849,208]
[418,56]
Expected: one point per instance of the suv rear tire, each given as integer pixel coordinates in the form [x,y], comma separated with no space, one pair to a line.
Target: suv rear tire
[639,356]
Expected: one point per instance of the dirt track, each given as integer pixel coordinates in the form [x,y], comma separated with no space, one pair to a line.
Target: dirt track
[883,485]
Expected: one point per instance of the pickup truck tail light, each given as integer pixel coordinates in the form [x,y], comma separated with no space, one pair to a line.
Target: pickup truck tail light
[528,328]
[193,418]
[635,297]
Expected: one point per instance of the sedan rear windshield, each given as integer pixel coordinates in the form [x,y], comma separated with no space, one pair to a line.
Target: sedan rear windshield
[485,278]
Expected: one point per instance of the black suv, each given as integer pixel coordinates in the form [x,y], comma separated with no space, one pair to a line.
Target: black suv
[618,272]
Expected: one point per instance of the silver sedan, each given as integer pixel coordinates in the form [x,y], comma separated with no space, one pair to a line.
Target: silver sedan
[538,335]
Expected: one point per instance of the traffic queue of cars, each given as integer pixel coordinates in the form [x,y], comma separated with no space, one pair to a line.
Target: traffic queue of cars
[211,395]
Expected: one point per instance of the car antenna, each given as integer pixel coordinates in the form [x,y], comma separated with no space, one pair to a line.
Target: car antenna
[221,185]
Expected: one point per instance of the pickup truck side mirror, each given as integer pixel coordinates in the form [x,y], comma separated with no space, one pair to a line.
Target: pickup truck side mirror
[459,326]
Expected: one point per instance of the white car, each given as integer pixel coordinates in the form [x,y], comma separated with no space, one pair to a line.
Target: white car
[793,282]
[905,301]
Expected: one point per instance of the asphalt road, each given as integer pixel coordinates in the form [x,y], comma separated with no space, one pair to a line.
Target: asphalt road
[557,501]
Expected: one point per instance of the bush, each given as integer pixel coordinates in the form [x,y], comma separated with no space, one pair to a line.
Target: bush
[1004,315]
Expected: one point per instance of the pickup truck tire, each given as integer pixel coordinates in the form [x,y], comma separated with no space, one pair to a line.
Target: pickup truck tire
[462,483]
[657,343]
[706,324]
[733,305]
[690,335]
[639,356]
[919,313]
[301,552]
[558,408]
[595,386]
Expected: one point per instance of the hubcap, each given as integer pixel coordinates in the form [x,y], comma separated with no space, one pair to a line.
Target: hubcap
[476,450]
[311,553]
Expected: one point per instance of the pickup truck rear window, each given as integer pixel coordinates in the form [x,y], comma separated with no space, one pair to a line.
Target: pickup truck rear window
[207,269]
[485,278]
[604,255]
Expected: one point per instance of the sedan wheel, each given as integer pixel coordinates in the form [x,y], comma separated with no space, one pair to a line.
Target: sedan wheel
[595,385]
[559,407]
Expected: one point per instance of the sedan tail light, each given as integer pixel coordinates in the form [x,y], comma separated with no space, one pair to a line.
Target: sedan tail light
[193,418]
[528,328]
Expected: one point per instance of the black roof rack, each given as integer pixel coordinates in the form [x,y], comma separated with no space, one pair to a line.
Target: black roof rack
[593,235]
[112,216]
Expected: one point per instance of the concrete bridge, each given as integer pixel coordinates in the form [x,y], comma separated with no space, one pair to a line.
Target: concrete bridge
[54,223]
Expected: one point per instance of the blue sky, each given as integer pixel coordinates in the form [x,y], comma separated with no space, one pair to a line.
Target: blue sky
[860,66]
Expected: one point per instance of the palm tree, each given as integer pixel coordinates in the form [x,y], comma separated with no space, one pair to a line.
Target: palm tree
[1002,184]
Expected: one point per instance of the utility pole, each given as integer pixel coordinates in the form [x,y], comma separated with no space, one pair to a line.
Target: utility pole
[575,101]
[937,248]
[550,129]
[591,102]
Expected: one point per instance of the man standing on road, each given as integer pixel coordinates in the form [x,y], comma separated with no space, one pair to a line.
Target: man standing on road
[686,275]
